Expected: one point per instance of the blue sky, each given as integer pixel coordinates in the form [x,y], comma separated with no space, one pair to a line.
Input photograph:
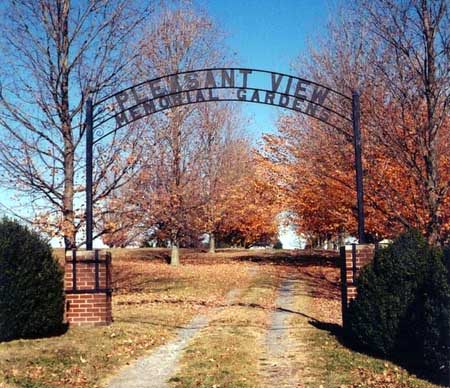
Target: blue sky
[269,35]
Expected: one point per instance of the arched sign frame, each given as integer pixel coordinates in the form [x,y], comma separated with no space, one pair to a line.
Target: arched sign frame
[212,85]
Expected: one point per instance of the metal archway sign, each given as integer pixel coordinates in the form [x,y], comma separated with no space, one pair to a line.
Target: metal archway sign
[221,84]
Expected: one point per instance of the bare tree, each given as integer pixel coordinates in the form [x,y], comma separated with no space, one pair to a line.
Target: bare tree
[55,54]
[222,132]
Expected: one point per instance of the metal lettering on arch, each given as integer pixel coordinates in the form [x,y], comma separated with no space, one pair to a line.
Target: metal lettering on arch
[109,114]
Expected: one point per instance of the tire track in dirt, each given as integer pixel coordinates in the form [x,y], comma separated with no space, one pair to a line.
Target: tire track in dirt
[277,365]
[156,368]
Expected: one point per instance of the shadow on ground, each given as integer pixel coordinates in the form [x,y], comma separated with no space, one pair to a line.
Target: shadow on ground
[56,332]
[402,360]
[295,257]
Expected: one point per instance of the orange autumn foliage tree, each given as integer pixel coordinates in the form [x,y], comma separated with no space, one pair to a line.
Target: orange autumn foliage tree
[221,135]
[315,171]
[405,125]
[237,208]
[180,38]
[230,194]
[250,203]
[313,180]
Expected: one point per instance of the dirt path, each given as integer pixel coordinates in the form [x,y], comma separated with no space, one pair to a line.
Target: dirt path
[155,369]
[277,366]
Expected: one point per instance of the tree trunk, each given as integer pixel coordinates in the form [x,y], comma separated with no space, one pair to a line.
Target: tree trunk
[69,219]
[62,43]
[212,243]
[431,92]
[175,255]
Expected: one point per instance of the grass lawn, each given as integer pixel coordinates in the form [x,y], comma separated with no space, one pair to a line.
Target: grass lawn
[152,300]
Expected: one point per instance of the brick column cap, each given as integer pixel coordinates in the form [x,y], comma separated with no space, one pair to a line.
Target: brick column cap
[88,255]
[359,247]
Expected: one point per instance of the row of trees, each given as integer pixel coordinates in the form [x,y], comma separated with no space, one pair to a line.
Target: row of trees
[173,176]
[204,180]
[397,55]
[177,175]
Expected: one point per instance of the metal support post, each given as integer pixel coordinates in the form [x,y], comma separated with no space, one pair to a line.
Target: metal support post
[89,167]
[356,115]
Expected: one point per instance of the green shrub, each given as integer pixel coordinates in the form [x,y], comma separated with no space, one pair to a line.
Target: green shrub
[402,307]
[31,284]
[278,245]
[436,319]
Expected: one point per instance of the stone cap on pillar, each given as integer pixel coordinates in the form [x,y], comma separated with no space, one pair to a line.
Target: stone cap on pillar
[83,255]
[358,247]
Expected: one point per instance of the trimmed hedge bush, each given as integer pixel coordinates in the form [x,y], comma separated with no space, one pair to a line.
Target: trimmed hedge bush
[278,245]
[403,304]
[31,285]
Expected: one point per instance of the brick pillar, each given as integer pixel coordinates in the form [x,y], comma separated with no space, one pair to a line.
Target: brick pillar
[353,258]
[87,286]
